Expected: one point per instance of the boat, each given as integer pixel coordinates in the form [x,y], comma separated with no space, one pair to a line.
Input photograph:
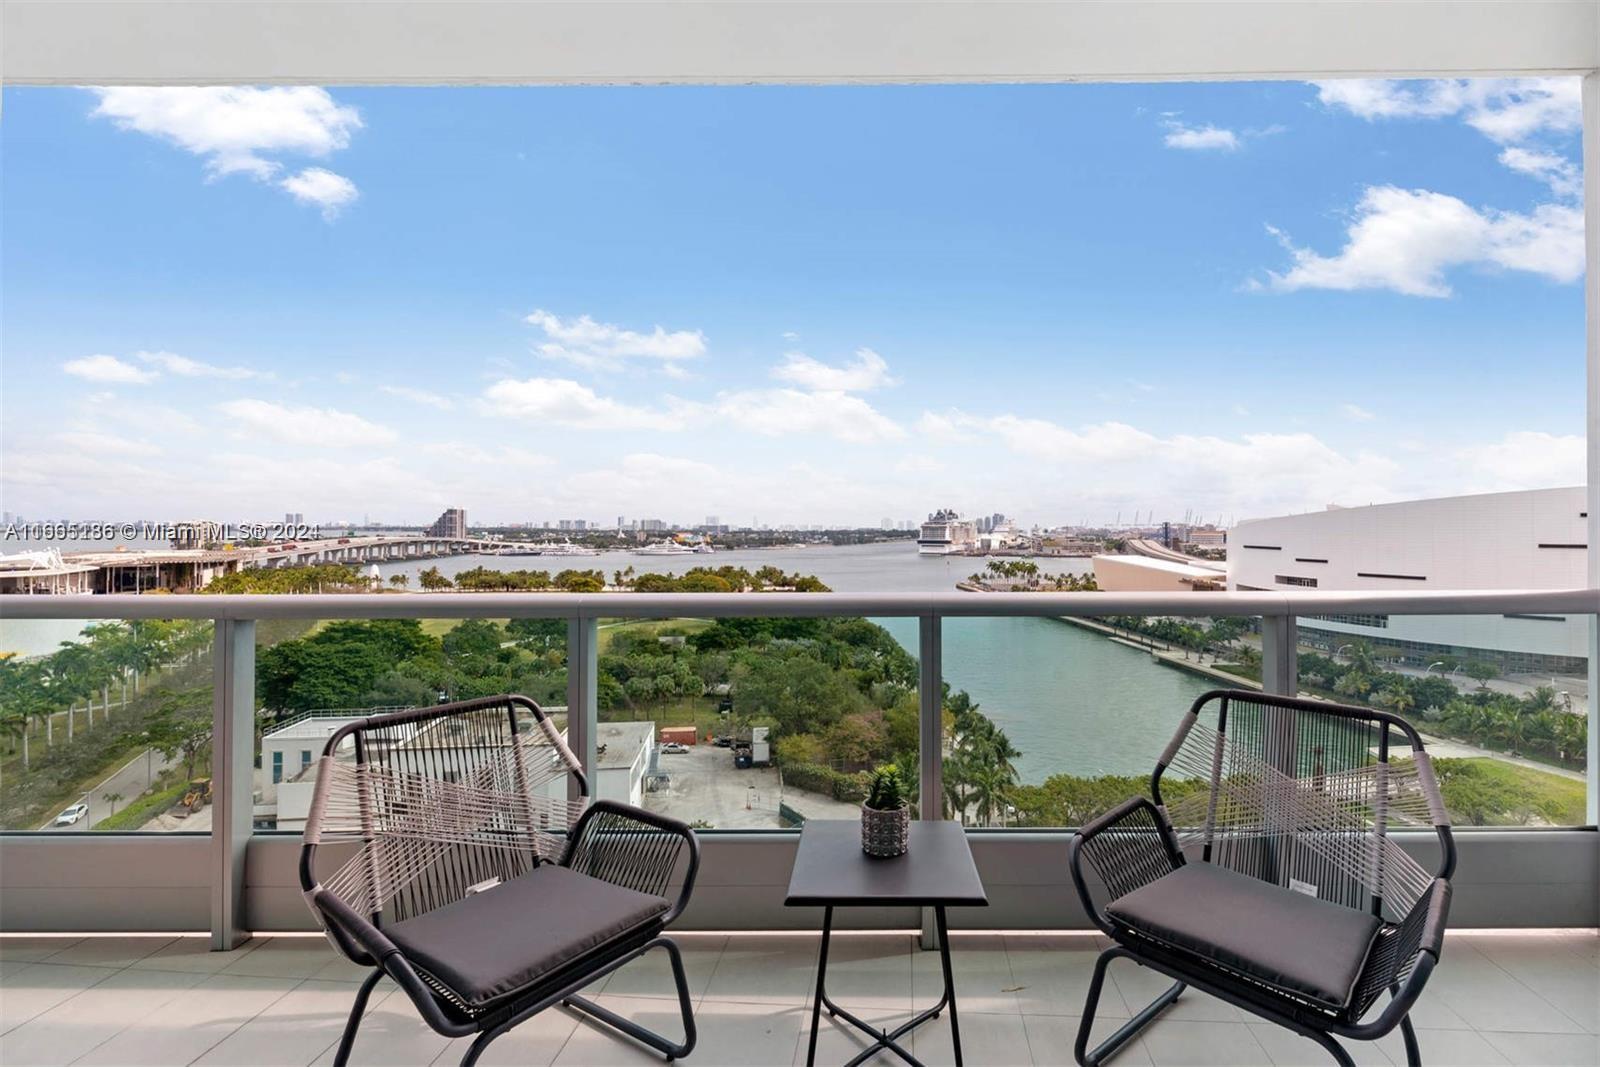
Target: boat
[664,547]
[946,532]
[567,548]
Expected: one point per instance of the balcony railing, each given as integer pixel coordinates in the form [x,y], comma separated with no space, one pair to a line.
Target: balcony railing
[40,893]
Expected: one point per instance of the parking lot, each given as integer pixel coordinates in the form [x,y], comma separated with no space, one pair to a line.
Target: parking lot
[708,790]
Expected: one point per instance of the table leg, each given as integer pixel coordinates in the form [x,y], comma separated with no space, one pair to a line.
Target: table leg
[949,979]
[822,974]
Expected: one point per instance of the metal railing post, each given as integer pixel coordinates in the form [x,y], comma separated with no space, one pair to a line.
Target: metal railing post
[583,708]
[233,733]
[1591,294]
[930,738]
[1280,662]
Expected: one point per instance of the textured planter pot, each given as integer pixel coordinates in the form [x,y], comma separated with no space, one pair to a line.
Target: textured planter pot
[885,833]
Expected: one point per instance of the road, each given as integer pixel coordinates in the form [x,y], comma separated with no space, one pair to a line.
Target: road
[130,781]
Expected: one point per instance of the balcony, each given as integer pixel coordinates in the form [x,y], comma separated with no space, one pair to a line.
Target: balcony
[163,936]
[1022,963]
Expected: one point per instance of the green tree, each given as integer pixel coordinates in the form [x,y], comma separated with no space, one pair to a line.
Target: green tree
[432,580]
[1481,672]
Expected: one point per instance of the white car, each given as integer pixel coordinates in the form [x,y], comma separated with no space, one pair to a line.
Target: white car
[72,815]
[674,747]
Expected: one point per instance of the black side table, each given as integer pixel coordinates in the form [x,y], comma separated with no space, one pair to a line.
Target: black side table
[831,871]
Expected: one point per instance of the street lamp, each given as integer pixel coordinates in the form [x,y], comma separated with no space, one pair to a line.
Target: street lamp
[1340,650]
[1431,666]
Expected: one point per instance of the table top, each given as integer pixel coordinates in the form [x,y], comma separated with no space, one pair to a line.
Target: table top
[831,869]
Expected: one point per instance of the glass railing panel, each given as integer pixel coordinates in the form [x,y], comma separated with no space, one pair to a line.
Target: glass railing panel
[755,724]
[1050,721]
[105,726]
[1502,702]
[313,676]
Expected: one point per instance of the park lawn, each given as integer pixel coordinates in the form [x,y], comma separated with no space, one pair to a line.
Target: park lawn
[1243,670]
[1480,791]
[649,628]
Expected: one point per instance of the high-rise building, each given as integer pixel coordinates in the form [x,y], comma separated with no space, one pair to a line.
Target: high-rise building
[713,521]
[453,523]
[293,518]
[652,525]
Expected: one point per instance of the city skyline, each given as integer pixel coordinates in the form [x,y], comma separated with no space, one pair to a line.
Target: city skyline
[804,304]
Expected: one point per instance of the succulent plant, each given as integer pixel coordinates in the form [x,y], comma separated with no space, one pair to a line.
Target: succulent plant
[887,791]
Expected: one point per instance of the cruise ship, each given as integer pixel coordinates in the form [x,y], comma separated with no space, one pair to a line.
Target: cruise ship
[664,548]
[567,548]
[945,533]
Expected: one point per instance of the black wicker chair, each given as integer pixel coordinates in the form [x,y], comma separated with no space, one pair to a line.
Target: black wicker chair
[467,876]
[1269,878]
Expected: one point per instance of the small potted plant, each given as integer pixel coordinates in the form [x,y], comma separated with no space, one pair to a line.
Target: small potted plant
[885,815]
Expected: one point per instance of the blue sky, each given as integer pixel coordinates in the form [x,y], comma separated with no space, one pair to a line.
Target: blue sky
[793,304]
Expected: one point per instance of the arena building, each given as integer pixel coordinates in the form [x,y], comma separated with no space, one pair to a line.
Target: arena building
[1523,540]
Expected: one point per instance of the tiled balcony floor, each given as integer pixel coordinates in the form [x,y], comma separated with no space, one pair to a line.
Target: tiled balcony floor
[1497,998]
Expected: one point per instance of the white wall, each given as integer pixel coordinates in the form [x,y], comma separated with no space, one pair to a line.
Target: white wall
[1489,541]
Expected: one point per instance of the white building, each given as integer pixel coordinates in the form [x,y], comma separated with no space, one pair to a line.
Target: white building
[1524,540]
[1141,574]
[625,753]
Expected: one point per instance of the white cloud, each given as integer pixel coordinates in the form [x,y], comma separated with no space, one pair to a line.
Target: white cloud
[193,368]
[1504,109]
[318,427]
[1525,459]
[235,129]
[601,345]
[1406,239]
[868,371]
[775,412]
[563,402]
[101,368]
[230,126]
[329,191]
[465,455]
[648,483]
[1356,413]
[1201,138]
[101,410]
[1562,175]
[1113,464]
[419,396]
[106,444]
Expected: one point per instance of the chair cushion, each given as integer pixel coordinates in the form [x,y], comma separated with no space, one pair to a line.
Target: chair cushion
[1295,943]
[495,942]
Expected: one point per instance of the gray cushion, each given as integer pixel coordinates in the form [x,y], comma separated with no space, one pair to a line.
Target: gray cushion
[1293,942]
[503,939]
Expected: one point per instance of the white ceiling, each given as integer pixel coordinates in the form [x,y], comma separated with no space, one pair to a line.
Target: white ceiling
[609,41]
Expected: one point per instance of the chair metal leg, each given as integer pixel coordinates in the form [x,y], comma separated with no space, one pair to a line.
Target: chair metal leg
[480,1043]
[670,1049]
[1327,1041]
[1125,1033]
[1413,1053]
[348,1040]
